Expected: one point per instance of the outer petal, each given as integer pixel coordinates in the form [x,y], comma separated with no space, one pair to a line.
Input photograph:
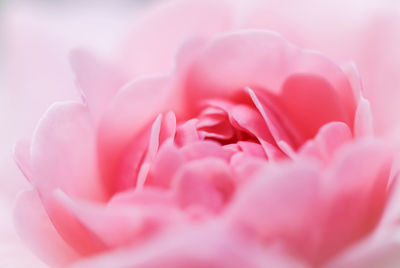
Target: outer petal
[355,193]
[121,223]
[260,59]
[363,123]
[372,33]
[23,158]
[36,229]
[97,80]
[208,246]
[282,203]
[133,108]
[380,250]
[170,24]
[64,157]
[63,153]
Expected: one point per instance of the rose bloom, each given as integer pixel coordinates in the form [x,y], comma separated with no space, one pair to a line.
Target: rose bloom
[244,149]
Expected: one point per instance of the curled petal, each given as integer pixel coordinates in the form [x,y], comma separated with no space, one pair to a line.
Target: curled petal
[133,108]
[356,193]
[23,158]
[258,59]
[327,142]
[40,234]
[120,224]
[98,81]
[363,122]
[58,164]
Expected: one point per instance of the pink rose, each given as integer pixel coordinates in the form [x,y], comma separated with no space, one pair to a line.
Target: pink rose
[251,150]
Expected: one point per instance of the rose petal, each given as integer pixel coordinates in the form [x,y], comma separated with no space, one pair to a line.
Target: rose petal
[208,246]
[245,166]
[351,70]
[119,225]
[168,127]
[36,229]
[282,203]
[357,181]
[251,121]
[276,129]
[23,158]
[167,162]
[132,109]
[379,250]
[258,59]
[328,140]
[98,81]
[363,122]
[251,148]
[142,53]
[206,183]
[310,102]
[58,164]
[146,196]
[187,133]
[203,149]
